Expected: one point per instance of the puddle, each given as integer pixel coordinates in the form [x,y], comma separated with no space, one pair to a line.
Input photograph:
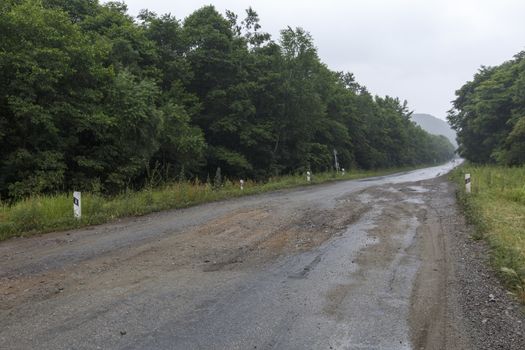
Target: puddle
[391,190]
[414,201]
[417,189]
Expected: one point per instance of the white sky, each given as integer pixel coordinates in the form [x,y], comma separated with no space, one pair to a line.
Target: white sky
[418,50]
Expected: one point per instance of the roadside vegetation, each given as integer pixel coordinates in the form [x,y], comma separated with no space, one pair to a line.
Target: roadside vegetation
[44,213]
[496,207]
[489,117]
[488,114]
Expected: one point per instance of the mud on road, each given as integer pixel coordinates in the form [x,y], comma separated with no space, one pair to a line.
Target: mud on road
[385,263]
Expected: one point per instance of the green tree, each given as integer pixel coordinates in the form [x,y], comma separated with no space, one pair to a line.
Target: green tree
[92,98]
[49,81]
[487,112]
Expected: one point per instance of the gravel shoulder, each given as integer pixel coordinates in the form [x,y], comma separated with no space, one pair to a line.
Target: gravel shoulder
[494,319]
[458,301]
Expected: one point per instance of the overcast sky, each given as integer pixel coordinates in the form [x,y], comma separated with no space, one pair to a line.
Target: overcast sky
[421,51]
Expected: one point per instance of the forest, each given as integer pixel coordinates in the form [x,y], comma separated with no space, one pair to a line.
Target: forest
[94,99]
[489,114]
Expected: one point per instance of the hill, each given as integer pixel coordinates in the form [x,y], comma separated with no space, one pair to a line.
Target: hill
[435,126]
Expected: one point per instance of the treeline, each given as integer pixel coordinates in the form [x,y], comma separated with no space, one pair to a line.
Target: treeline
[93,99]
[489,114]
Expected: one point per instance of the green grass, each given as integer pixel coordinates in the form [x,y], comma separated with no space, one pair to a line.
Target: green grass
[496,207]
[45,213]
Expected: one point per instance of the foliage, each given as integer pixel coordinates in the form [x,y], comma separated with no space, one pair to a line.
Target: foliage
[489,114]
[93,99]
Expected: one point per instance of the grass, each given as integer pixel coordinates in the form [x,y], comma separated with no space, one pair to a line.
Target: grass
[45,213]
[496,207]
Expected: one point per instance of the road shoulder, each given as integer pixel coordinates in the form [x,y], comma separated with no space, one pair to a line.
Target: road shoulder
[458,301]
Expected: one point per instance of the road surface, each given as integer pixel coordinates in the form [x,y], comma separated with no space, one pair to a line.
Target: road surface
[364,264]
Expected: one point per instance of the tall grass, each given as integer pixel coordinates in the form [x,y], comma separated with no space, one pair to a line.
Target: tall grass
[496,207]
[44,213]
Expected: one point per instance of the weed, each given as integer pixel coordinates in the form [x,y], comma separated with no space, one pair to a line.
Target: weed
[46,213]
[496,208]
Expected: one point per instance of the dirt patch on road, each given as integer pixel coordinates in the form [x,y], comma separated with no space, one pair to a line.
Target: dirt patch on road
[312,228]
[241,239]
[437,320]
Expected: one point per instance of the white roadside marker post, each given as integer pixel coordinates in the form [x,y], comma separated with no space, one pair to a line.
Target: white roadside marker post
[77,205]
[242,185]
[343,170]
[336,162]
[467,183]
[308,176]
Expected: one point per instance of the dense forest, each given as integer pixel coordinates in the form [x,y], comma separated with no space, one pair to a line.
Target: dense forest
[489,114]
[94,99]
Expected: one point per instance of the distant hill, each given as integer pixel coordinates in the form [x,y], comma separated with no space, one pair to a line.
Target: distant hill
[435,126]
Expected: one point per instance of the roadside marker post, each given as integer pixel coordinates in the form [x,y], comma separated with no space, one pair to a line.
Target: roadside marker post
[242,185]
[343,170]
[336,162]
[77,205]
[467,183]
[308,176]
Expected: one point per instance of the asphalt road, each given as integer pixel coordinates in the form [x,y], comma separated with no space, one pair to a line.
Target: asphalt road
[349,265]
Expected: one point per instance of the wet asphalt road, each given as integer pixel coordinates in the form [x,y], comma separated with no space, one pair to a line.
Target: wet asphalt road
[352,291]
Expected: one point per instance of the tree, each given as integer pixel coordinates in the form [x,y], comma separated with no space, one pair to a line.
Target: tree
[487,113]
[91,98]
[49,80]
